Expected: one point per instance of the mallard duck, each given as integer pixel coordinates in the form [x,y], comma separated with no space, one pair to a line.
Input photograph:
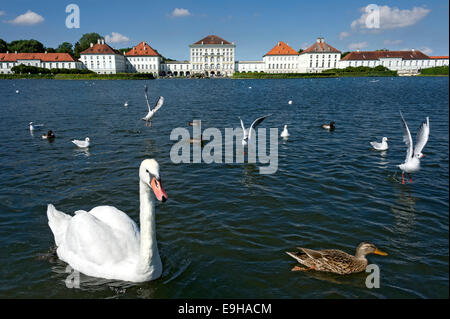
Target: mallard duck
[333,260]
[329,127]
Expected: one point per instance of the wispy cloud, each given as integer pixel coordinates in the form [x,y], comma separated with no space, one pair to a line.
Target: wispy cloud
[28,18]
[2,13]
[358,45]
[180,12]
[392,42]
[116,37]
[343,35]
[426,50]
[392,18]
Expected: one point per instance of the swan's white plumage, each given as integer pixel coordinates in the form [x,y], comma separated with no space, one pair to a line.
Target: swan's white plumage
[105,242]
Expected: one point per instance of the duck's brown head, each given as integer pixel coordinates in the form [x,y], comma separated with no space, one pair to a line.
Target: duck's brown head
[365,248]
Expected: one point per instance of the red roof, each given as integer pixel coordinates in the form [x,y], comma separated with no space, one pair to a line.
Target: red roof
[375,55]
[439,57]
[142,49]
[282,49]
[44,57]
[321,47]
[212,39]
[100,48]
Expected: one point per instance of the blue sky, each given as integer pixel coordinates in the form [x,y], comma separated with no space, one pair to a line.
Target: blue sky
[253,25]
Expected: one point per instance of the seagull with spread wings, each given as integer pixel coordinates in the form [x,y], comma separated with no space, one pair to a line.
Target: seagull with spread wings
[247,133]
[151,112]
[414,153]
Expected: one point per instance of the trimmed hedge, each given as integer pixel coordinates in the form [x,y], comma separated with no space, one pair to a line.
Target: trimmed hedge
[28,69]
[438,70]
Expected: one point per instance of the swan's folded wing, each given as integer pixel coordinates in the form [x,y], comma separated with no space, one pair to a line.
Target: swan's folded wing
[116,219]
[89,241]
[422,137]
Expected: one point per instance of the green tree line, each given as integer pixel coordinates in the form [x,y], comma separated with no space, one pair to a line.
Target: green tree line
[34,46]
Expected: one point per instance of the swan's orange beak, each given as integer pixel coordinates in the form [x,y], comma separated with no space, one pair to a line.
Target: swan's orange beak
[158,189]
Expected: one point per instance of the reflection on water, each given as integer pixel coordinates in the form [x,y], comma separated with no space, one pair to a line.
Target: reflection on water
[404,211]
[82,152]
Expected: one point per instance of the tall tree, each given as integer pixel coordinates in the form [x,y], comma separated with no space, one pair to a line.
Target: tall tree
[3,46]
[26,46]
[85,42]
[65,47]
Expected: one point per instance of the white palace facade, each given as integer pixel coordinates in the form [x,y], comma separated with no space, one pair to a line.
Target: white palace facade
[214,56]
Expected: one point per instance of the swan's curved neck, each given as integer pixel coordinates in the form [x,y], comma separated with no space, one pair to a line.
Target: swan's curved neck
[149,255]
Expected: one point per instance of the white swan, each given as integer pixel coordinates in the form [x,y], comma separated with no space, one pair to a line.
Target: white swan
[83,144]
[285,133]
[105,242]
[413,155]
[247,133]
[383,146]
[151,112]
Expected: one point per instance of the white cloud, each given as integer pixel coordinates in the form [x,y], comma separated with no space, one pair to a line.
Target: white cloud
[28,18]
[358,45]
[2,13]
[392,18]
[343,35]
[392,42]
[180,12]
[116,38]
[426,50]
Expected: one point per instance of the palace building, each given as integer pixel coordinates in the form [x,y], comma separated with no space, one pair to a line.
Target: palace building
[213,55]
[408,62]
[319,57]
[103,59]
[281,59]
[142,58]
[41,60]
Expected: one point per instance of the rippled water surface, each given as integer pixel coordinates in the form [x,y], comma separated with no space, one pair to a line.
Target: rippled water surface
[225,228]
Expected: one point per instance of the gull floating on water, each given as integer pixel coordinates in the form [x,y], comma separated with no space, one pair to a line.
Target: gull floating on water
[380,146]
[17,91]
[151,112]
[82,144]
[126,103]
[33,127]
[285,132]
[247,133]
[329,127]
[290,102]
[414,154]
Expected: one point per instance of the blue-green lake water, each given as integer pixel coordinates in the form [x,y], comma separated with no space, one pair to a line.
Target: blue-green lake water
[225,228]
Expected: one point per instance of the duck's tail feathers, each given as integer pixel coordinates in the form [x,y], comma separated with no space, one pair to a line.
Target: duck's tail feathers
[294,255]
[58,222]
